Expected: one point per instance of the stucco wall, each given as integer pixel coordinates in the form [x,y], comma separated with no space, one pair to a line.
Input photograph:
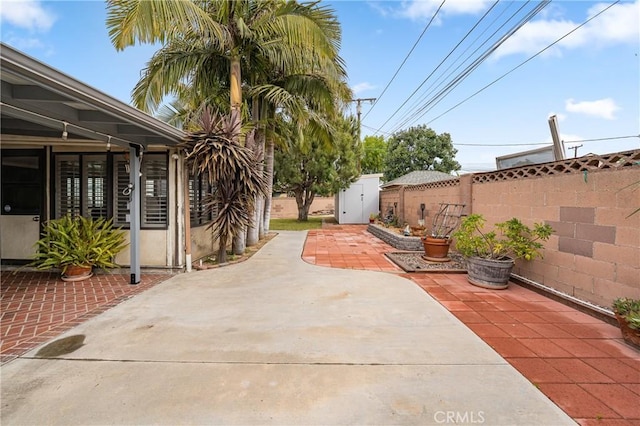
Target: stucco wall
[153,248]
[202,243]
[594,253]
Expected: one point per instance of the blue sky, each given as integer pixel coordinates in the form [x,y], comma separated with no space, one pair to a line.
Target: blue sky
[590,80]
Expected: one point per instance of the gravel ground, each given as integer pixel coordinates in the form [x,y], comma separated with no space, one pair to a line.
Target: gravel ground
[413,262]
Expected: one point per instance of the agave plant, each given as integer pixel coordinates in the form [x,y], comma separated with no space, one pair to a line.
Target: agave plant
[233,171]
[78,241]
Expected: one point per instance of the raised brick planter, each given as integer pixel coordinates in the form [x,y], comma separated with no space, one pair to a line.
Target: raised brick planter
[396,240]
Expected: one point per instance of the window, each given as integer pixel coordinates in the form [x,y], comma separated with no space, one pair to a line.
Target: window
[154,190]
[67,186]
[95,193]
[86,184]
[81,185]
[21,184]
[199,196]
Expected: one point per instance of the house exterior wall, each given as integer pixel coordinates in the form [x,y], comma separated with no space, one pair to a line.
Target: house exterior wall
[594,252]
[286,207]
[202,242]
[158,247]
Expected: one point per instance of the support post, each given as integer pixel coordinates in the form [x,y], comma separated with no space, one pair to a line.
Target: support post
[134,212]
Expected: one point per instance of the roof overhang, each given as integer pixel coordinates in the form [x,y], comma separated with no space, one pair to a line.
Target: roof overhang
[38,100]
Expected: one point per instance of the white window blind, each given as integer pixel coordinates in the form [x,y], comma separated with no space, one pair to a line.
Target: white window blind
[68,189]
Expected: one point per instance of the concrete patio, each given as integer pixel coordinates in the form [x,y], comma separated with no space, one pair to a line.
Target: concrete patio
[275,341]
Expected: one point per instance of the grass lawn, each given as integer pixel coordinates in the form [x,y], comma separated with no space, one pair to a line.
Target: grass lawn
[293,224]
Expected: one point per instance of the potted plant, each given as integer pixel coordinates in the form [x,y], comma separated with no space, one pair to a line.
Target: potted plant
[490,257]
[436,243]
[76,244]
[373,217]
[627,313]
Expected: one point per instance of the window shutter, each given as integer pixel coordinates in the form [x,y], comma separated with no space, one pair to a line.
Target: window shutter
[154,190]
[95,194]
[68,185]
[121,201]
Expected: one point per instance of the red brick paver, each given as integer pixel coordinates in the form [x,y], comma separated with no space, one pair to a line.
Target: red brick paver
[580,362]
[37,306]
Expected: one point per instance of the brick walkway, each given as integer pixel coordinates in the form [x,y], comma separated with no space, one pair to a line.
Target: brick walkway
[579,362]
[37,306]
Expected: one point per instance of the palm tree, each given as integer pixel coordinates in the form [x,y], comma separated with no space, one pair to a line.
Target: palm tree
[207,43]
[232,171]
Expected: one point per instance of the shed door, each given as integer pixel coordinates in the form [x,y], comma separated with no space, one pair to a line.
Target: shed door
[22,203]
[353,205]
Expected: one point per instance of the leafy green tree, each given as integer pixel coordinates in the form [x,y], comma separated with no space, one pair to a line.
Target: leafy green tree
[306,167]
[375,152]
[419,148]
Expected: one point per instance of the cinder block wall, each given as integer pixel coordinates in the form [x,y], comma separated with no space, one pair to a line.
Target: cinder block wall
[444,192]
[286,207]
[388,198]
[594,253]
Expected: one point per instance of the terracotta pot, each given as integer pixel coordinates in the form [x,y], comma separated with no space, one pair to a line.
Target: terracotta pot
[629,334]
[77,273]
[489,273]
[436,249]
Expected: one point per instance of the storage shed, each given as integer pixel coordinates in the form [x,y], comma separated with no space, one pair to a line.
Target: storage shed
[358,201]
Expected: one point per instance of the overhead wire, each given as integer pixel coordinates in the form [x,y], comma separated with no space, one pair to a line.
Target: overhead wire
[525,62]
[423,97]
[431,103]
[439,65]
[405,59]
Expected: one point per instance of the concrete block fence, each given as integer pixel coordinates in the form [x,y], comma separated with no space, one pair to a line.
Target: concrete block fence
[594,253]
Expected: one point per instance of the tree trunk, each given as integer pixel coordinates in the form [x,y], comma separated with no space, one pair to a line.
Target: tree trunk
[259,216]
[239,237]
[304,198]
[222,249]
[235,93]
[239,241]
[268,158]
[253,142]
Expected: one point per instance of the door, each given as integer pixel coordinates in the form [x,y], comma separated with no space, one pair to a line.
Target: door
[22,195]
[352,205]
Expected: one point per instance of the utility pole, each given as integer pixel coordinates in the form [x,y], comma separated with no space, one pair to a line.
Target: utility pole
[575,150]
[359,108]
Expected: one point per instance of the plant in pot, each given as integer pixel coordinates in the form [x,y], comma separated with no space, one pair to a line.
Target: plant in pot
[436,243]
[490,257]
[627,313]
[373,217]
[76,245]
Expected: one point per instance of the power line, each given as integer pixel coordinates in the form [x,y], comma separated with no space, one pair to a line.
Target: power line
[428,91]
[428,106]
[526,61]
[603,139]
[440,64]
[500,144]
[406,58]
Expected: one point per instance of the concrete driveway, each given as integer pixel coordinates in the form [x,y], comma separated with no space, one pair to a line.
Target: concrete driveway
[274,341]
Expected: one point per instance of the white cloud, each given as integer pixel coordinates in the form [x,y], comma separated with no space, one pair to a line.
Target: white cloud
[619,24]
[28,14]
[362,87]
[424,9]
[603,108]
[24,43]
